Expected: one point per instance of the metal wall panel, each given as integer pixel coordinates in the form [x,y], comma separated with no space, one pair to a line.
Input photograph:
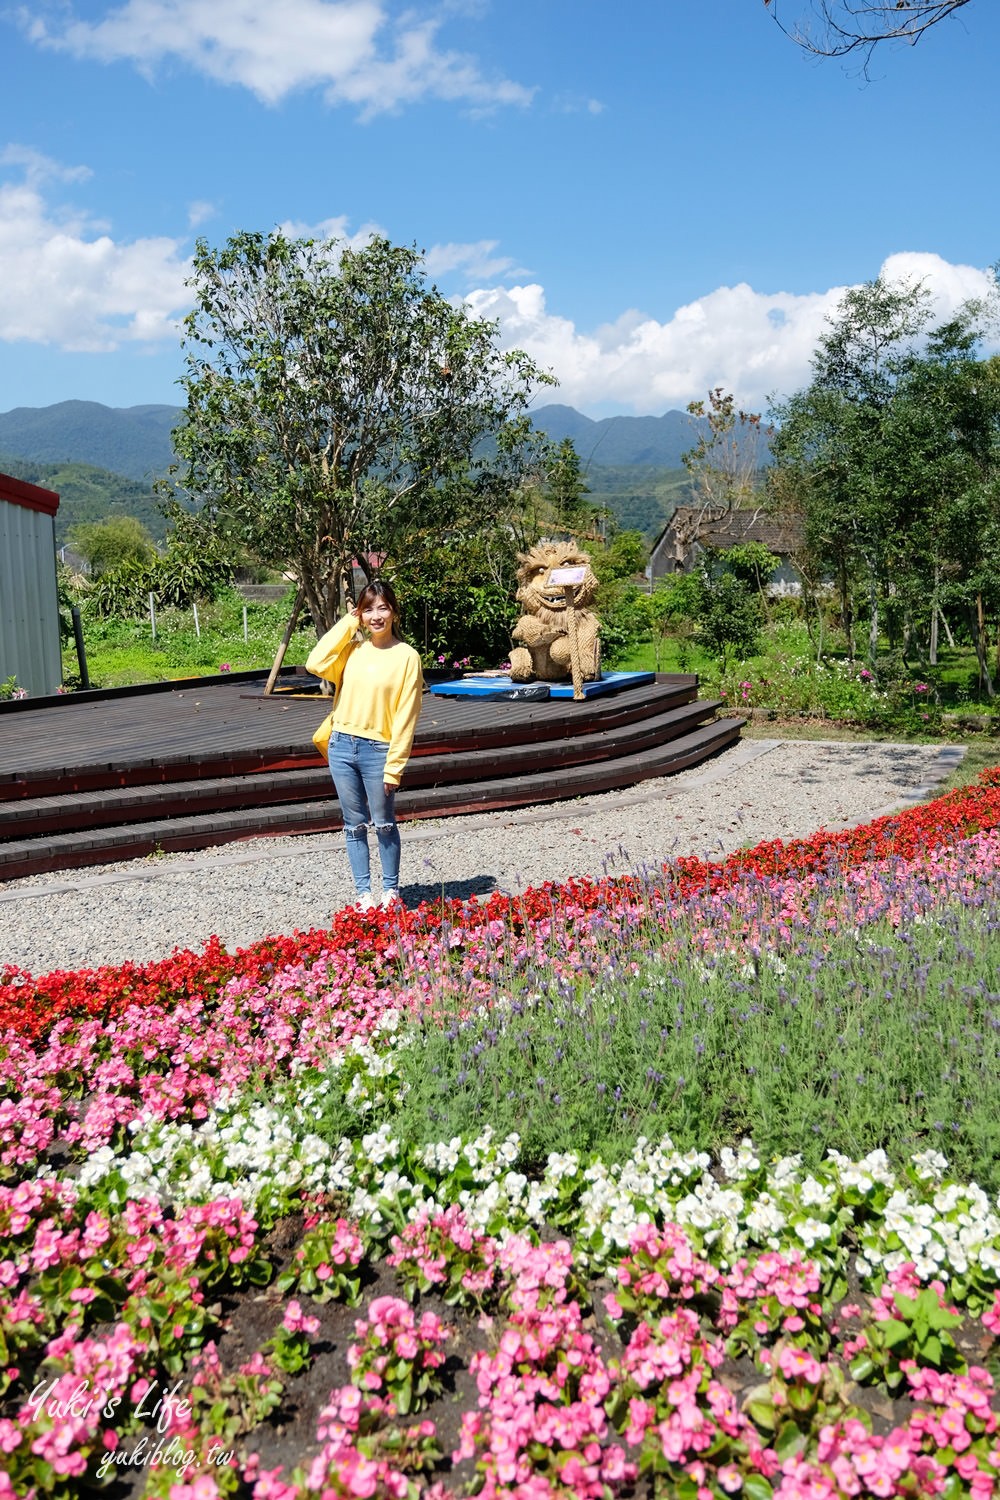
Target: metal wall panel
[29,605]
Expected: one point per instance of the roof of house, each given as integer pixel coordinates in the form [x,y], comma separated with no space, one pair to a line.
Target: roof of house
[31,496]
[732,528]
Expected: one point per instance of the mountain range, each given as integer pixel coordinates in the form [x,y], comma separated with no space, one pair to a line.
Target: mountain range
[103,460]
[135,440]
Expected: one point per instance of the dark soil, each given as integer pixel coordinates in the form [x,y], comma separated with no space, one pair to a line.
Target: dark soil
[288,1438]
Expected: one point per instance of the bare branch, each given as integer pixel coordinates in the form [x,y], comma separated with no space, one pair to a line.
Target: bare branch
[845,27]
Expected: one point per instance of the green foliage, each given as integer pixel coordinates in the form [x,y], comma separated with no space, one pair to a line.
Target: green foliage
[111,543]
[920,1332]
[620,604]
[566,489]
[176,580]
[752,564]
[892,457]
[846,1053]
[339,408]
[120,650]
[457,598]
[88,495]
[671,611]
[619,558]
[730,617]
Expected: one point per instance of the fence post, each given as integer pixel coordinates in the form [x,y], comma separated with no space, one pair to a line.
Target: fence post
[81,654]
[197,627]
[152,616]
[245,635]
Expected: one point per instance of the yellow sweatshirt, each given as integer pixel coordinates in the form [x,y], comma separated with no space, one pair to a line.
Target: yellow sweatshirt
[378,690]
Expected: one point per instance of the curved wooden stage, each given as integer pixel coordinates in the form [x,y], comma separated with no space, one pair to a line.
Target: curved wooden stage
[114,775]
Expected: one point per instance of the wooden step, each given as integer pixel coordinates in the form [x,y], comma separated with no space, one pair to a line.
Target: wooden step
[73,811]
[128,744]
[99,846]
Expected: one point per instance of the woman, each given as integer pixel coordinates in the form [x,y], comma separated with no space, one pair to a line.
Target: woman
[378,683]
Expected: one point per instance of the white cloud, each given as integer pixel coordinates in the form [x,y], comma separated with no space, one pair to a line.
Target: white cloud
[39,168]
[752,343]
[352,49]
[199,212]
[65,282]
[474,262]
[337,228]
[575,104]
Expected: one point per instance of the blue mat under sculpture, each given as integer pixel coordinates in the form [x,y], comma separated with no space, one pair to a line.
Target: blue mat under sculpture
[473,685]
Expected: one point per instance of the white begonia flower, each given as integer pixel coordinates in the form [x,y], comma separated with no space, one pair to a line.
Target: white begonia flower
[515,1185]
[930,1165]
[785,1172]
[765,1219]
[816,1194]
[812,1231]
[510,1149]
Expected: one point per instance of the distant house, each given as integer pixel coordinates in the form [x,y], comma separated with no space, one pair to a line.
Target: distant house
[692,530]
[29,601]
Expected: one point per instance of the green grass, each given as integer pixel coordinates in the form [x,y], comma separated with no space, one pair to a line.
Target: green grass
[121,653]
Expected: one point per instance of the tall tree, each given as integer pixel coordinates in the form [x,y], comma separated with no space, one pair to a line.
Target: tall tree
[843,28]
[108,544]
[726,459]
[891,454]
[338,406]
[566,489]
[831,432]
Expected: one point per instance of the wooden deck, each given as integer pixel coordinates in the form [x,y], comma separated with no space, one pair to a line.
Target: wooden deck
[109,776]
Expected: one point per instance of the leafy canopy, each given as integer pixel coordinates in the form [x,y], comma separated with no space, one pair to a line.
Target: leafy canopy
[339,408]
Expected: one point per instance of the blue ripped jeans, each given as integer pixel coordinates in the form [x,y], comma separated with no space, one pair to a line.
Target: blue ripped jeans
[358,769]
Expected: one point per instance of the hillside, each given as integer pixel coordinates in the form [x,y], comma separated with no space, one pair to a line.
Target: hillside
[87,493]
[103,459]
[135,440]
[132,440]
[657,442]
[640,499]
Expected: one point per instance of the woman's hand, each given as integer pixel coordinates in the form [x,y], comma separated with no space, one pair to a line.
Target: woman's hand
[388,789]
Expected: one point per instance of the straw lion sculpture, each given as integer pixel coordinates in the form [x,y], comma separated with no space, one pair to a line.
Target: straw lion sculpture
[543,631]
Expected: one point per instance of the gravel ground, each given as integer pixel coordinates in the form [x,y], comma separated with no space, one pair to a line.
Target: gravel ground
[761,789]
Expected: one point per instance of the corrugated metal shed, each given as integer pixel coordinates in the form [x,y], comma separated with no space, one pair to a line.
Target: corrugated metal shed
[29,604]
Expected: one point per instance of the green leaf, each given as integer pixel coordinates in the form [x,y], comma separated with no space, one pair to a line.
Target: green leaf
[790,1440]
[756,1487]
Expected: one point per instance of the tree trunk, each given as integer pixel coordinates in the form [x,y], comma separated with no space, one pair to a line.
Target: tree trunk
[935,611]
[979,636]
[845,609]
[289,628]
[873,623]
[947,628]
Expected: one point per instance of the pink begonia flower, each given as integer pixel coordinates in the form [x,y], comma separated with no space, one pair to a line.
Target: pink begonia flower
[296,1321]
[800,1364]
[202,1488]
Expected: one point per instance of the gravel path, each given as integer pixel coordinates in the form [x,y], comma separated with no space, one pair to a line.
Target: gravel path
[760,789]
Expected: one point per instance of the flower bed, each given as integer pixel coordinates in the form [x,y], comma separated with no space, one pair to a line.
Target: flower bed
[226,1269]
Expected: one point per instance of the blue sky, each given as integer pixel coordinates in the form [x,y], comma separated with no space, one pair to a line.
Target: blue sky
[653,198]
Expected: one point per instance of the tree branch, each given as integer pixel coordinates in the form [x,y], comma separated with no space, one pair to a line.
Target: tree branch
[848,26]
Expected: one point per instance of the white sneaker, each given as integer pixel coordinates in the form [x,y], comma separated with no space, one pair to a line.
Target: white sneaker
[391,898]
[365,902]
